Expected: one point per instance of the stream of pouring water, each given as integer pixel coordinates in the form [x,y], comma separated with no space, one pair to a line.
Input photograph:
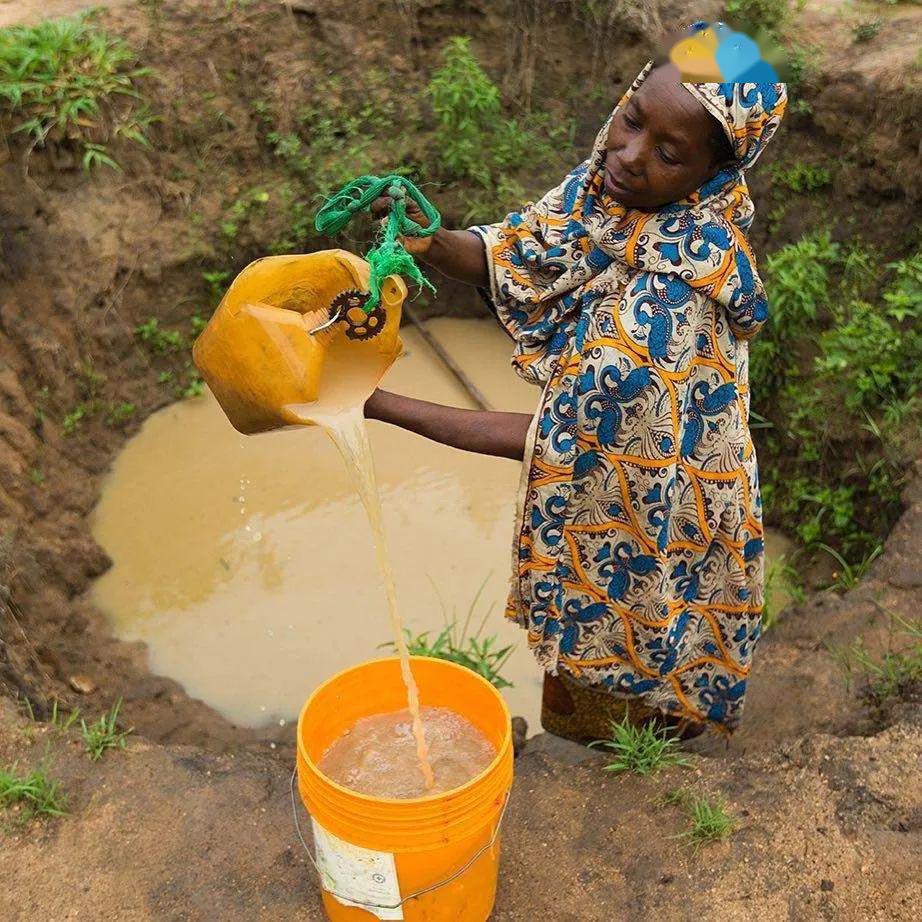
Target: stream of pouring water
[347,430]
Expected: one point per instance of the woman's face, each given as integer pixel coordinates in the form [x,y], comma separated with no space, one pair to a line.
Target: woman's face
[659,144]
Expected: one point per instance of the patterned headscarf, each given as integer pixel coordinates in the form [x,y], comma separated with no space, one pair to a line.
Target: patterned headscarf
[541,256]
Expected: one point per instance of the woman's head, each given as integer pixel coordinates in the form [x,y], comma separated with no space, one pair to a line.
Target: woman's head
[662,143]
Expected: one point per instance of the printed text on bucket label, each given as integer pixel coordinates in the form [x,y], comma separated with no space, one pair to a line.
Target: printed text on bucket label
[358,876]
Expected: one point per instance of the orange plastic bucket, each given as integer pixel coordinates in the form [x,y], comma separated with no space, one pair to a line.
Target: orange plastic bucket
[429,859]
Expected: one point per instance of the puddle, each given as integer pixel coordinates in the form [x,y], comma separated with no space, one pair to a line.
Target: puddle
[246,563]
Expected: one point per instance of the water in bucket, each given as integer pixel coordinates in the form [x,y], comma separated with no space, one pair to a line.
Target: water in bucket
[377,755]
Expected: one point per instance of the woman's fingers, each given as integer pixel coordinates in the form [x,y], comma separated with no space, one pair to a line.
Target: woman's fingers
[415,245]
[380,206]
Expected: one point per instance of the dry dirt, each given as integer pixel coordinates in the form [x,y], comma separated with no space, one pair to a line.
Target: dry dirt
[192,821]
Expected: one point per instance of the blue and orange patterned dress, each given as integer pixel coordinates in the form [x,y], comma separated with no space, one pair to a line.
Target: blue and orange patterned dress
[638,547]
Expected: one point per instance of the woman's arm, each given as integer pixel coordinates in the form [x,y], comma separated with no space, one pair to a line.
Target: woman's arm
[483,431]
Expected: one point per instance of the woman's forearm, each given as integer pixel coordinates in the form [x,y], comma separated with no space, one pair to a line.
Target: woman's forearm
[483,431]
[460,255]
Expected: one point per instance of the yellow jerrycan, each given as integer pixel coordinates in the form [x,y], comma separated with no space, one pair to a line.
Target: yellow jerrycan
[292,342]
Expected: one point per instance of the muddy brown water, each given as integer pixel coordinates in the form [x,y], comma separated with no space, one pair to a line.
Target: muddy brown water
[246,565]
[378,755]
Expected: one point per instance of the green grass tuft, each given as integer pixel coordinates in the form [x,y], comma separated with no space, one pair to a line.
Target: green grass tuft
[710,822]
[643,750]
[479,653]
[36,793]
[104,733]
[60,722]
[65,80]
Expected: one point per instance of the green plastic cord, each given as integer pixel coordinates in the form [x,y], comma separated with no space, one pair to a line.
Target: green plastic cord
[387,257]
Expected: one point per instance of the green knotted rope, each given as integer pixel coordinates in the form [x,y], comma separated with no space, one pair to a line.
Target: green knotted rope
[387,257]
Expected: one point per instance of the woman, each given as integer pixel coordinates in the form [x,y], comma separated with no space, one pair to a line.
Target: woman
[630,292]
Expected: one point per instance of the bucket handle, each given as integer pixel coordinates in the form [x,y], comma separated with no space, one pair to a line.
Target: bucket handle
[411,896]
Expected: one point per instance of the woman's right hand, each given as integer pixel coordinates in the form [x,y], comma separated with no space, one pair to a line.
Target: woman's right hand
[418,246]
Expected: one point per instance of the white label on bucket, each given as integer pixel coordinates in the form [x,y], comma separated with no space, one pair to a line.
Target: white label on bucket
[358,876]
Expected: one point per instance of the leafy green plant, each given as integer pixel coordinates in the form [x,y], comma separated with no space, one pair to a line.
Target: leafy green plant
[771,15]
[64,80]
[467,106]
[193,387]
[475,141]
[73,420]
[891,673]
[216,280]
[841,355]
[801,177]
[158,340]
[104,734]
[643,750]
[710,821]
[119,414]
[36,792]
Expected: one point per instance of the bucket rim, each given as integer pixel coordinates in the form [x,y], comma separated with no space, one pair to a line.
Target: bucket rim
[494,763]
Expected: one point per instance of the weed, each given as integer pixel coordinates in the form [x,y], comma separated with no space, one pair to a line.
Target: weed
[104,733]
[166,377]
[800,176]
[676,797]
[475,141]
[216,280]
[643,750]
[480,655]
[710,822]
[73,420]
[64,80]
[197,323]
[36,792]
[119,414]
[59,721]
[842,354]
[771,15]
[158,340]
[782,587]
[849,575]
[894,671]
[36,475]
[865,31]
[194,386]
[474,651]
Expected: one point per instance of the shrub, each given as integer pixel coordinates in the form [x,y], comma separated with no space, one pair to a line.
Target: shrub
[837,373]
[754,15]
[467,107]
[475,141]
